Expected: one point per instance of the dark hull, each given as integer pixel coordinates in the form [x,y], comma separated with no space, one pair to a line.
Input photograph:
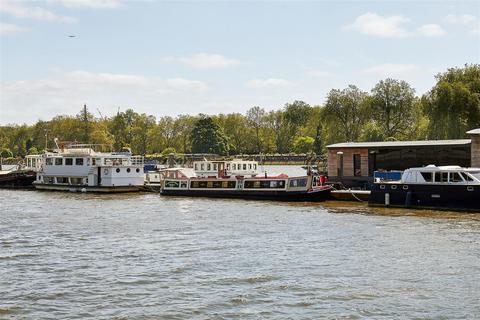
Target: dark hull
[445,197]
[320,195]
[17,180]
[96,189]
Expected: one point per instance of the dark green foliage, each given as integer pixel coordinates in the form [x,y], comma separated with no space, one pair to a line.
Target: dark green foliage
[207,137]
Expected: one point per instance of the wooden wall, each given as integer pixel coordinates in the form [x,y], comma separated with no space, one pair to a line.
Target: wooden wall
[475,149]
[347,161]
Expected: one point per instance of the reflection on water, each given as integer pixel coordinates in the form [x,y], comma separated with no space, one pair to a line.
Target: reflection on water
[142,256]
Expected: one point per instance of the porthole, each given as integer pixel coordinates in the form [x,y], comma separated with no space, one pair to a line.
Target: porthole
[470,188]
[128,170]
[393,187]
[405,187]
[138,170]
[118,170]
[382,187]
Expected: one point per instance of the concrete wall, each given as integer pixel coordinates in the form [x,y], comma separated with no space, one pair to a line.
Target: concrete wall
[475,150]
[347,161]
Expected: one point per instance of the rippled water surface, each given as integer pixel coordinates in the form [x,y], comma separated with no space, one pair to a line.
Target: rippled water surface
[140,256]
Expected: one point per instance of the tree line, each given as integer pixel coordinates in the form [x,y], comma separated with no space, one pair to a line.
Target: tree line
[390,111]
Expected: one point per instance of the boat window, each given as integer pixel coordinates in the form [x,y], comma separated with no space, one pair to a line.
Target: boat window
[228,166]
[455,177]
[202,166]
[234,166]
[208,166]
[244,166]
[196,166]
[49,161]
[254,166]
[264,184]
[94,162]
[58,161]
[427,176]
[118,170]
[299,182]
[214,166]
[468,177]
[68,161]
[249,166]
[441,176]
[79,161]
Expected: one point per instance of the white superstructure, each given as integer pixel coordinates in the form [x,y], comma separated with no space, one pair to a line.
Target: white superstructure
[78,167]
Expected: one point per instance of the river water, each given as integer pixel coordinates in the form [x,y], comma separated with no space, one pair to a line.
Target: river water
[142,256]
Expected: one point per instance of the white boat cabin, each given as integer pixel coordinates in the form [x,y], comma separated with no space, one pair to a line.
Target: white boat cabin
[226,168]
[81,165]
[432,174]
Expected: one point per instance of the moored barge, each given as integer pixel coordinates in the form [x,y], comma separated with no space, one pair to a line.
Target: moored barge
[430,187]
[80,167]
[241,179]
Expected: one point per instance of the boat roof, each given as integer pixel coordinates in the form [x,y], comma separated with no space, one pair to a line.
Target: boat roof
[417,143]
[474,131]
[434,168]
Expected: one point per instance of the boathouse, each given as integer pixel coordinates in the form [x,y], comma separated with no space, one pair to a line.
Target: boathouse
[353,163]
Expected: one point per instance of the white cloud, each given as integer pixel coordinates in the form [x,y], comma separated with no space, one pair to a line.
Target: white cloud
[268,83]
[460,18]
[63,92]
[10,29]
[206,61]
[186,85]
[376,25]
[391,69]
[431,30]
[18,10]
[92,4]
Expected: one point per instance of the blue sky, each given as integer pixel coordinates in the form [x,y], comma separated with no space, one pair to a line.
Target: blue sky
[170,58]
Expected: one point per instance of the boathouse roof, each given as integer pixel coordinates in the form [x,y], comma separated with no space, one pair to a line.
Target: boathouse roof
[474,131]
[389,144]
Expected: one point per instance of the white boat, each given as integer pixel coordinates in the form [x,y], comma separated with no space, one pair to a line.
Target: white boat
[430,187]
[79,167]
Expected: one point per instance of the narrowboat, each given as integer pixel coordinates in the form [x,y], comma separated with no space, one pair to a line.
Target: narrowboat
[84,168]
[430,187]
[241,179]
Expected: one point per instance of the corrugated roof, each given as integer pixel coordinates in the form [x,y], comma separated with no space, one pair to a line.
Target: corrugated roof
[474,131]
[400,143]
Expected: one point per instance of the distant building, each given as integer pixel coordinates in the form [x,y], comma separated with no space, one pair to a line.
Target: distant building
[353,163]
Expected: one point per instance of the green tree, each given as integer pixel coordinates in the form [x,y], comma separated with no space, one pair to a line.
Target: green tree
[453,104]
[345,113]
[207,137]
[303,144]
[256,121]
[392,107]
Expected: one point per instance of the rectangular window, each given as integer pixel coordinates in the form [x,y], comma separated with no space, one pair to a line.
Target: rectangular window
[228,166]
[214,166]
[49,161]
[244,166]
[196,166]
[94,161]
[357,165]
[68,161]
[249,166]
[208,167]
[298,183]
[254,167]
[58,161]
[202,167]
[234,166]
[427,176]
[79,161]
